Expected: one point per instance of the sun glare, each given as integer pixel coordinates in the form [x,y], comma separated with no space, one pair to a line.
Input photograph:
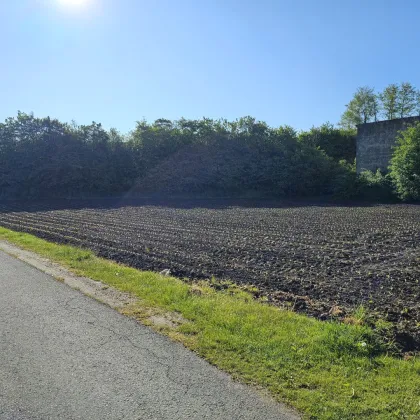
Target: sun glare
[73,3]
[81,9]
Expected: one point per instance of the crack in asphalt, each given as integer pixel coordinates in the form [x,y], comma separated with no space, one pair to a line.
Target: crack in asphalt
[169,366]
[67,356]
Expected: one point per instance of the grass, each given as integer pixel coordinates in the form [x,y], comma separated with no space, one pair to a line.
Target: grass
[327,370]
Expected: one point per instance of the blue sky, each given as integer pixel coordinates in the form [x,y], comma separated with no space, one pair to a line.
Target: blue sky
[294,62]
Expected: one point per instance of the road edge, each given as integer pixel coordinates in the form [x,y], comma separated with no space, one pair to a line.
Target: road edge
[92,288]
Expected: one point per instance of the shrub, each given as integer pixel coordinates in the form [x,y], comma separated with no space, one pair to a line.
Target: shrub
[405,164]
[335,142]
[375,186]
[371,186]
[345,183]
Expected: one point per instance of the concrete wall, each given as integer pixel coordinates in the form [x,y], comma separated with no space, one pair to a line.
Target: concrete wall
[375,142]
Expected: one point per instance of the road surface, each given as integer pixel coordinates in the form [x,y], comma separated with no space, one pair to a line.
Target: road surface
[64,355]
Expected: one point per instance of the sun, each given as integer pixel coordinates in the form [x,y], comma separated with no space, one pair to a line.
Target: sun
[73,3]
[83,9]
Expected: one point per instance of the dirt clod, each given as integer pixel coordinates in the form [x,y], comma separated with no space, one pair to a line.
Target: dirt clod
[322,260]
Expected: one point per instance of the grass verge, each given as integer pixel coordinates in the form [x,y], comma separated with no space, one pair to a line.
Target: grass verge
[327,370]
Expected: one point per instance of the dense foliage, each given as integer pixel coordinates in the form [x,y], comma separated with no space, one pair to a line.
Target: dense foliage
[43,157]
[338,143]
[405,164]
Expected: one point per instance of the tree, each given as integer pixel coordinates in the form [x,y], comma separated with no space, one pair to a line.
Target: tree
[363,108]
[418,103]
[389,101]
[335,142]
[406,100]
[376,107]
[115,136]
[352,115]
[405,164]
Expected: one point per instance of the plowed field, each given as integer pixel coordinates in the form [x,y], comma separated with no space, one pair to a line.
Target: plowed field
[319,259]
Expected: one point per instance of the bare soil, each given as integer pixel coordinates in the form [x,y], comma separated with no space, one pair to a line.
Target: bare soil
[323,260]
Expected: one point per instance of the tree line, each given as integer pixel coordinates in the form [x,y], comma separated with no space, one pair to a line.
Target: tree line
[395,101]
[46,158]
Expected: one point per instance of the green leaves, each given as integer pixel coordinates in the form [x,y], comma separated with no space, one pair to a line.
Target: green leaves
[389,100]
[406,100]
[43,157]
[363,108]
[395,101]
[335,142]
[405,164]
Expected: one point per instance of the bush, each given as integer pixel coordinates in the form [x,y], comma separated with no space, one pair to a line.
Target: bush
[345,183]
[337,143]
[375,186]
[370,186]
[405,164]
[41,157]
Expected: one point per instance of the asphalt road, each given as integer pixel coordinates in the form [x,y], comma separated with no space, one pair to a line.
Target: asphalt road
[64,355]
